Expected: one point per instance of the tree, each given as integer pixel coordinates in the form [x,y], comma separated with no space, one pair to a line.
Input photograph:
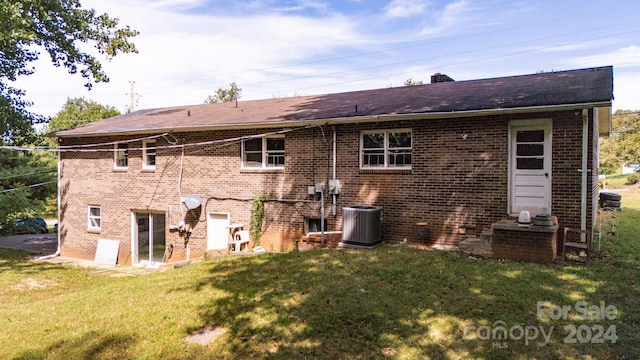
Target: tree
[411,82]
[623,146]
[62,28]
[80,111]
[231,94]
[27,180]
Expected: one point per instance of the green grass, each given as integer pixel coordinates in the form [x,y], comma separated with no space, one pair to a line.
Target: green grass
[390,302]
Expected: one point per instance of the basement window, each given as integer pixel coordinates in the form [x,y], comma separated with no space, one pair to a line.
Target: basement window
[266,152]
[385,149]
[313,225]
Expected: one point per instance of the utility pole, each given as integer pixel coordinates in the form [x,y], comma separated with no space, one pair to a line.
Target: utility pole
[131,96]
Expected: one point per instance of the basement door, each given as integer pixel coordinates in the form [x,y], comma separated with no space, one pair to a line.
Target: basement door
[217,231]
[530,166]
[149,238]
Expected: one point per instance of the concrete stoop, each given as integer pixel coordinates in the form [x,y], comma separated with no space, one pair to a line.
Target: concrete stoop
[477,246]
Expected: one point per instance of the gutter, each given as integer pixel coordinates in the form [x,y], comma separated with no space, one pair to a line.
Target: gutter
[335,159]
[338,120]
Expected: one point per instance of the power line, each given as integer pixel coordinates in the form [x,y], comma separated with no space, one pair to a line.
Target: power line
[83,149]
[459,63]
[28,186]
[27,174]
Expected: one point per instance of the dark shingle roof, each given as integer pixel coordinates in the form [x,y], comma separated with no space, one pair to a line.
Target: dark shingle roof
[544,90]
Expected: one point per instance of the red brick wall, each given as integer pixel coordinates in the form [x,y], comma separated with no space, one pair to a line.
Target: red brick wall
[524,245]
[454,182]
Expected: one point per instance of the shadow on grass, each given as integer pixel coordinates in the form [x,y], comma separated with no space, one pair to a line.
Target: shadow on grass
[92,345]
[21,261]
[400,303]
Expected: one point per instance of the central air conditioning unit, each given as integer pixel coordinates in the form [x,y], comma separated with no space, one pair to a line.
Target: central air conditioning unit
[361,225]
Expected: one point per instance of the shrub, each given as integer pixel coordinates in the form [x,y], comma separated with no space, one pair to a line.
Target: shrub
[633,179]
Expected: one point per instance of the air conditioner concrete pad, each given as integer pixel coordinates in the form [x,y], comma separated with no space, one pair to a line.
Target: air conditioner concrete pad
[358,246]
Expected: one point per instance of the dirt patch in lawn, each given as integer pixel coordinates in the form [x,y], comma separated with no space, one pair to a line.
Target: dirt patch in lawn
[31,284]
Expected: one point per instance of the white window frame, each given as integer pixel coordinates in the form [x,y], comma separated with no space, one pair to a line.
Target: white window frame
[264,154]
[146,153]
[117,150]
[386,149]
[90,217]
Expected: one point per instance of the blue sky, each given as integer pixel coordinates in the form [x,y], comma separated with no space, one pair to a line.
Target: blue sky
[271,48]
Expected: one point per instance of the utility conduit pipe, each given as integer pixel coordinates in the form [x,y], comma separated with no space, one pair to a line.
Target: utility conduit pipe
[321,233]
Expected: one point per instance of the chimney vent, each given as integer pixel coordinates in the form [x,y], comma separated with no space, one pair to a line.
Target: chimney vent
[438,78]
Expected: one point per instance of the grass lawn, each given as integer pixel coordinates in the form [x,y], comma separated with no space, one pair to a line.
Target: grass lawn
[389,302]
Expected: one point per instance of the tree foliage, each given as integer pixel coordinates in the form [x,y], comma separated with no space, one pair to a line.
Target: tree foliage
[27,180]
[233,93]
[61,28]
[411,82]
[67,32]
[623,146]
[80,111]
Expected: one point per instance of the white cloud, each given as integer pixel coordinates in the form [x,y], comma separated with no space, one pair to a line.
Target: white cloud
[625,90]
[624,57]
[453,16]
[405,8]
[183,57]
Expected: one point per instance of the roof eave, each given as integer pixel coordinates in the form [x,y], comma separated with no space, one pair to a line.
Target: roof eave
[353,119]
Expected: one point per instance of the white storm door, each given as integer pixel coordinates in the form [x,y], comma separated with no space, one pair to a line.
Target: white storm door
[530,167]
[217,231]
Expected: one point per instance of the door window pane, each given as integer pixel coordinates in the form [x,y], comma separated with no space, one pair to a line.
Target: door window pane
[158,240]
[530,136]
[530,150]
[143,236]
[530,163]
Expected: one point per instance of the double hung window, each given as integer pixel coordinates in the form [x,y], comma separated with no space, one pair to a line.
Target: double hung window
[385,149]
[120,157]
[94,218]
[149,154]
[265,152]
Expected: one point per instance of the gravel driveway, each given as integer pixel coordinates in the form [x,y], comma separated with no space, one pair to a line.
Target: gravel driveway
[39,244]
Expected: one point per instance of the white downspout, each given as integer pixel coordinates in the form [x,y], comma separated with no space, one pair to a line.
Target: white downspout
[335,159]
[584,169]
[57,253]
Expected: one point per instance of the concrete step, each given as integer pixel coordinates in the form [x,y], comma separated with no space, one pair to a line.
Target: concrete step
[476,246]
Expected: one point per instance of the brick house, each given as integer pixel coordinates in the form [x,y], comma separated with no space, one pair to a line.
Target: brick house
[454,157]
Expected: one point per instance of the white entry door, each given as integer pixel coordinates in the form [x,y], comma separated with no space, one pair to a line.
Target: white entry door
[217,231]
[530,166]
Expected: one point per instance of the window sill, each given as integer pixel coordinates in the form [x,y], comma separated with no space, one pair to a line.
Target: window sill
[94,231]
[261,170]
[385,171]
[120,169]
[148,170]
